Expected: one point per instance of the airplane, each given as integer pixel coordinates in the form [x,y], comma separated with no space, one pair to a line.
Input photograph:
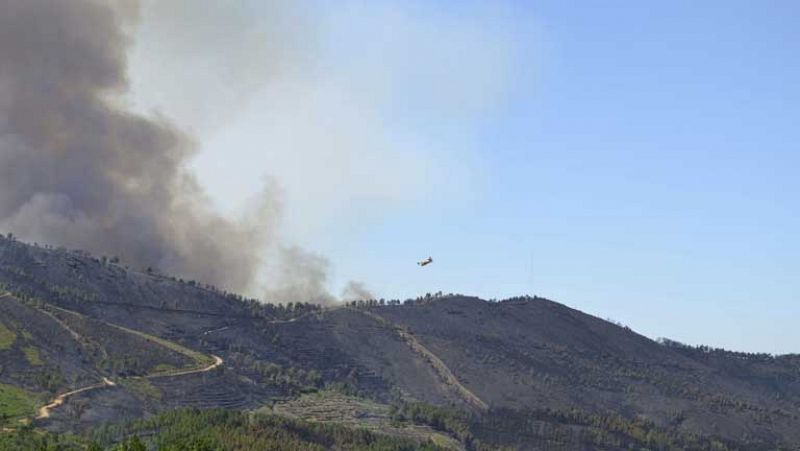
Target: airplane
[425,262]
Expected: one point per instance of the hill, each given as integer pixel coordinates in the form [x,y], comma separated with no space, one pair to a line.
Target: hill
[525,373]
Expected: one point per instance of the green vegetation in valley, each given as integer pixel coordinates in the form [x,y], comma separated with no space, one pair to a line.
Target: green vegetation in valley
[14,403]
[219,429]
[212,430]
[239,431]
[7,337]
[328,406]
[28,439]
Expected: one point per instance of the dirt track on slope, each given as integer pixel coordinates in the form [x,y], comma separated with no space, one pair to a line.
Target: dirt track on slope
[44,411]
[445,374]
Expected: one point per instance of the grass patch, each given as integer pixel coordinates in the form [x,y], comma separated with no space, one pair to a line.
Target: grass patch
[32,355]
[200,358]
[7,337]
[15,402]
[143,387]
[163,368]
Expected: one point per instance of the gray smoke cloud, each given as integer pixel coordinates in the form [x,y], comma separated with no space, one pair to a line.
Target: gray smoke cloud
[82,165]
[356,291]
[77,169]
[299,275]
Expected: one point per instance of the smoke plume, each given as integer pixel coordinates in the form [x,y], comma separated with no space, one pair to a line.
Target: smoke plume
[356,291]
[358,109]
[77,169]
[298,276]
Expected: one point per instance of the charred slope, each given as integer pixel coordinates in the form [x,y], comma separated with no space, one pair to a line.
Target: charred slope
[36,353]
[50,355]
[534,353]
[78,281]
[540,369]
[260,343]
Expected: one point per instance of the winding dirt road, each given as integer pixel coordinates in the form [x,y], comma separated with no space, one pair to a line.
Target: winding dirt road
[44,411]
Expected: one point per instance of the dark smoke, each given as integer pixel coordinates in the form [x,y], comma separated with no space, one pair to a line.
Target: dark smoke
[77,169]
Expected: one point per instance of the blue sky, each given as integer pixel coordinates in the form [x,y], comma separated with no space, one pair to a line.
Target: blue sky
[634,160]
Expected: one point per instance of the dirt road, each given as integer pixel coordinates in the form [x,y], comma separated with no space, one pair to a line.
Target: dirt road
[44,411]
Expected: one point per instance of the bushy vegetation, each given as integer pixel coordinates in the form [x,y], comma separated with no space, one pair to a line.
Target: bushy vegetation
[295,380]
[445,419]
[28,439]
[240,431]
[551,429]
[14,402]
[212,430]
[218,430]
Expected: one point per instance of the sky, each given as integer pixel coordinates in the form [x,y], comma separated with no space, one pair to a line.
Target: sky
[634,160]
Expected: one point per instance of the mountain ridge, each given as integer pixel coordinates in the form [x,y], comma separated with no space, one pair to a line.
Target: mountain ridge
[526,361]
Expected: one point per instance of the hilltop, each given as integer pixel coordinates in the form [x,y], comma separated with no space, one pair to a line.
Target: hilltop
[525,373]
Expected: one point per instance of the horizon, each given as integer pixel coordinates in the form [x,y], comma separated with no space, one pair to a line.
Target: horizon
[428,296]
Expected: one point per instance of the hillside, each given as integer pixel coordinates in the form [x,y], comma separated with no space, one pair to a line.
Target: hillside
[525,373]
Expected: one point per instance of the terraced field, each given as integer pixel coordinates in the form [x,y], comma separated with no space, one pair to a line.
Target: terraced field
[201,391]
[337,408]
[107,350]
